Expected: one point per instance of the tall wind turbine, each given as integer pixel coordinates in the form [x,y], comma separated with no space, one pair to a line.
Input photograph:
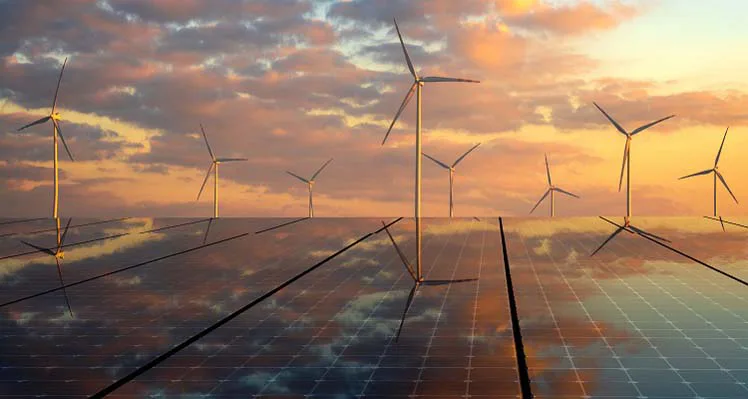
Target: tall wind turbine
[310,184]
[58,254]
[214,167]
[551,190]
[717,174]
[418,281]
[54,116]
[416,88]
[451,170]
[627,167]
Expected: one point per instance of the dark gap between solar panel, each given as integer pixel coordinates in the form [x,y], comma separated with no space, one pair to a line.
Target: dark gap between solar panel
[164,356]
[723,220]
[282,225]
[54,229]
[20,221]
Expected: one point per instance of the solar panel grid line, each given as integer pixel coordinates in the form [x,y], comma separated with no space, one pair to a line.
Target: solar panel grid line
[94,223]
[552,314]
[441,309]
[618,245]
[475,315]
[282,225]
[522,366]
[593,321]
[17,221]
[114,386]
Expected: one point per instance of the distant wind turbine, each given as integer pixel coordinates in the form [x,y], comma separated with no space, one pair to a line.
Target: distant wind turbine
[54,116]
[551,190]
[451,170]
[418,281]
[416,88]
[214,167]
[627,167]
[717,174]
[310,184]
[58,254]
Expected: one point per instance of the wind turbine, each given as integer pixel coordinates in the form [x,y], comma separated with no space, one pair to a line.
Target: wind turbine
[717,174]
[416,88]
[58,254]
[451,170]
[310,184]
[214,167]
[627,167]
[418,281]
[54,116]
[551,190]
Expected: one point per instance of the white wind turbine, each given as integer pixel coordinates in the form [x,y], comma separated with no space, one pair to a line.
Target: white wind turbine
[551,190]
[627,226]
[717,174]
[214,167]
[310,184]
[416,88]
[54,116]
[451,170]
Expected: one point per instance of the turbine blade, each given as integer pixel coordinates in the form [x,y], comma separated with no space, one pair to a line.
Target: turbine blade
[615,233]
[716,160]
[64,234]
[404,104]
[541,200]
[703,172]
[205,136]
[40,249]
[405,312]
[62,138]
[405,51]
[626,150]
[464,155]
[446,282]
[298,177]
[548,170]
[722,179]
[401,254]
[644,233]
[648,125]
[440,79]
[314,176]
[620,129]
[62,285]
[207,175]
[231,159]
[565,192]
[440,163]
[207,231]
[57,90]
[36,122]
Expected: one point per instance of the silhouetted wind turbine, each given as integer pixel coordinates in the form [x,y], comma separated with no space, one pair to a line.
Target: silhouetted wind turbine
[451,170]
[717,174]
[551,190]
[310,184]
[417,280]
[627,167]
[214,167]
[416,89]
[58,254]
[54,116]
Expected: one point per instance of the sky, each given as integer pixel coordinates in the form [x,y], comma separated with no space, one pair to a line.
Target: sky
[290,84]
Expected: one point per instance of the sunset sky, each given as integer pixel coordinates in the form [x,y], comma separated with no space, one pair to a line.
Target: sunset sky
[292,83]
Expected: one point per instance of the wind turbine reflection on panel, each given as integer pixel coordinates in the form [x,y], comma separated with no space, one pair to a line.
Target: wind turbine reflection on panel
[417,278]
[54,116]
[58,254]
[310,184]
[626,166]
[214,167]
[717,175]
[451,170]
[551,190]
[417,88]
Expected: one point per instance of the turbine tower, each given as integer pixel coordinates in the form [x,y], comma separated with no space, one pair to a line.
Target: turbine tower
[310,184]
[717,174]
[451,170]
[214,167]
[551,190]
[417,88]
[54,116]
